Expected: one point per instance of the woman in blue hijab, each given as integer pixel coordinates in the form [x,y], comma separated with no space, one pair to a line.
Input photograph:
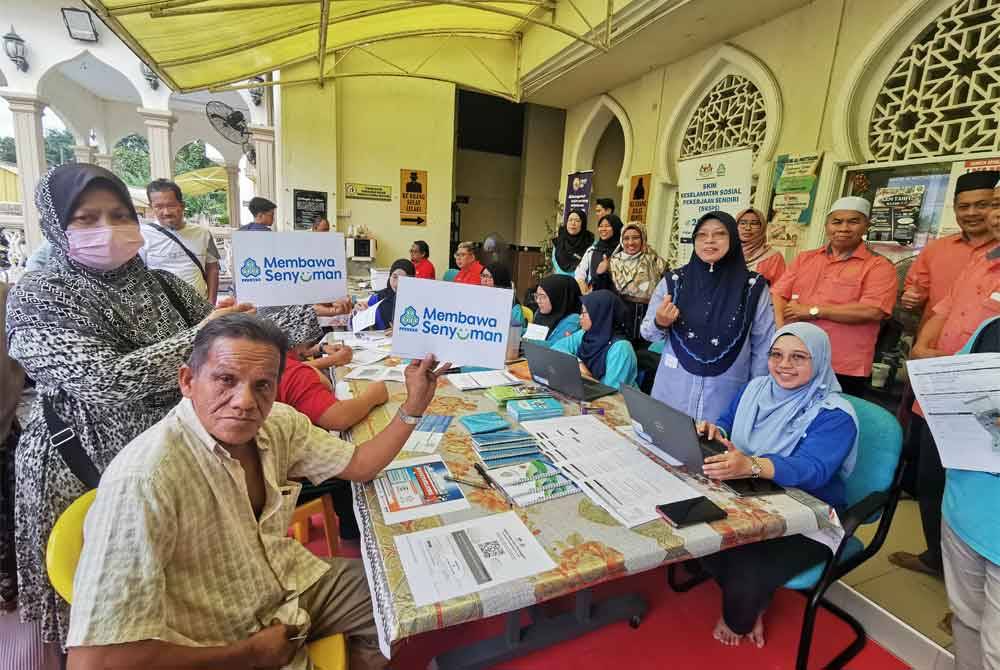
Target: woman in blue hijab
[794,427]
[600,344]
[715,319]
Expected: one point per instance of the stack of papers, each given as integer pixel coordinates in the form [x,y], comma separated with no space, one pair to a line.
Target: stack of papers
[428,434]
[503,394]
[535,409]
[483,422]
[505,447]
[472,381]
[608,468]
[378,373]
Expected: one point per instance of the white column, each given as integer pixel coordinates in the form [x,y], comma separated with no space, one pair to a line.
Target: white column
[233,194]
[263,145]
[159,124]
[30,146]
[84,153]
[104,160]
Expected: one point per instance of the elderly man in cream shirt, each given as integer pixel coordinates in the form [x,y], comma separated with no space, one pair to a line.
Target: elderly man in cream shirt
[186,563]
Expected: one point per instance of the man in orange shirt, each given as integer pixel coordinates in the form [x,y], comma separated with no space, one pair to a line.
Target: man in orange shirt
[973,298]
[845,288]
[934,272]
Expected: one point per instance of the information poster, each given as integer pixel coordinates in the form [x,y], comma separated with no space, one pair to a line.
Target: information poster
[289,268]
[638,198]
[578,187]
[895,214]
[356,191]
[307,207]
[412,197]
[948,224]
[717,182]
[794,192]
[462,324]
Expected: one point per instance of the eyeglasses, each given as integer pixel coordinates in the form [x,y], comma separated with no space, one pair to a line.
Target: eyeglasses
[750,223]
[982,206]
[796,358]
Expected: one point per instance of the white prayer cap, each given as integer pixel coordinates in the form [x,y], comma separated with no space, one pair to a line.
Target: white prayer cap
[852,203]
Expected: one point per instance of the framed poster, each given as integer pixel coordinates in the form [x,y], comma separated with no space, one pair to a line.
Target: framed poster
[307,206]
[638,198]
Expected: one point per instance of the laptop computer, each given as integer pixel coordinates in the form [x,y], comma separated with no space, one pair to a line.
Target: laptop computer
[674,433]
[561,373]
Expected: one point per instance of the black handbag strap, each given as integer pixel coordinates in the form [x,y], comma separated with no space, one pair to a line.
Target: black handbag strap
[67,443]
[174,299]
[190,254]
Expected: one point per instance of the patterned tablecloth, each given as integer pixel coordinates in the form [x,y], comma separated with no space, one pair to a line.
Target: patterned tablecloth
[586,543]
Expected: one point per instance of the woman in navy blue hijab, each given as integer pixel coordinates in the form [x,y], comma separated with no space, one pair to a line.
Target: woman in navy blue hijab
[600,344]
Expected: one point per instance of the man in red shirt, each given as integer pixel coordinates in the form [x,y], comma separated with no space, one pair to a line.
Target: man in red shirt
[469,268]
[419,256]
[845,288]
[974,296]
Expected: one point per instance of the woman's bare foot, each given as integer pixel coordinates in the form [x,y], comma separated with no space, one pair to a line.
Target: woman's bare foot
[725,635]
[756,636]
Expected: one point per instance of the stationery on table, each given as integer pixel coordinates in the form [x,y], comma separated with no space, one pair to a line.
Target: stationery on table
[368,340]
[960,398]
[365,318]
[504,394]
[428,434]
[417,487]
[473,381]
[608,468]
[469,556]
[535,331]
[534,409]
[367,356]
[538,468]
[537,491]
[483,422]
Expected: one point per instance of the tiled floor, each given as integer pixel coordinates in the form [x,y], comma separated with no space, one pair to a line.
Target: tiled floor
[917,599]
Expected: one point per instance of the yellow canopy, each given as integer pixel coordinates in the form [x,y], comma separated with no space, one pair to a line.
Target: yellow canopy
[199,44]
[202,181]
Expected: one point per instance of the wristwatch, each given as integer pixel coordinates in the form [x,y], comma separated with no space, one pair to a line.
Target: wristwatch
[755,469]
[814,312]
[408,419]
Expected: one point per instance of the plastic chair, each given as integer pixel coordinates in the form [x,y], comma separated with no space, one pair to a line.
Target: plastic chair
[62,553]
[872,493]
[528,313]
[302,522]
[449,274]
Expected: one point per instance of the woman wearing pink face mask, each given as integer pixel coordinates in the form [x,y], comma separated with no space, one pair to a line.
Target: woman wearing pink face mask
[103,337]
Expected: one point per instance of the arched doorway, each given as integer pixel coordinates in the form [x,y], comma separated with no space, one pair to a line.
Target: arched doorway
[609,156]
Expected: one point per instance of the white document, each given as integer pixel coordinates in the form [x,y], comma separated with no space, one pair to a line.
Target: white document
[608,468]
[367,356]
[414,488]
[960,398]
[459,323]
[462,558]
[535,331]
[365,318]
[471,381]
[378,373]
[297,268]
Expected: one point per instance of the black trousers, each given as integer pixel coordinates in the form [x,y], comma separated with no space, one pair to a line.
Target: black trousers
[854,386]
[930,492]
[750,574]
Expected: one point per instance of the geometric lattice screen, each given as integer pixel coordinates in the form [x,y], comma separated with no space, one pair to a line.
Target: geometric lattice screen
[731,115]
[942,94]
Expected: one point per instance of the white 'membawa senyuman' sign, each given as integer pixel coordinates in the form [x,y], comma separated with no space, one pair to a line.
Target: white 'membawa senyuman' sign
[462,324]
[300,268]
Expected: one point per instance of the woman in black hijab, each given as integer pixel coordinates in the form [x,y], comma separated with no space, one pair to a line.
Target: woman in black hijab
[558,299]
[572,243]
[595,269]
[386,298]
[496,275]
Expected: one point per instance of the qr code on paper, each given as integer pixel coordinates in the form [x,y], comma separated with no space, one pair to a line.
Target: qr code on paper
[491,549]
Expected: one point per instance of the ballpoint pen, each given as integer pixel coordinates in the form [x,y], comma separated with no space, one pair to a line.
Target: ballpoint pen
[466,482]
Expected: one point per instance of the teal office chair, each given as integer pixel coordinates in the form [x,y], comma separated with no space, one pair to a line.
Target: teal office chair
[872,494]
[449,274]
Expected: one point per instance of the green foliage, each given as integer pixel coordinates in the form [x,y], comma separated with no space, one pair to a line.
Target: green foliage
[59,147]
[7,152]
[192,157]
[130,160]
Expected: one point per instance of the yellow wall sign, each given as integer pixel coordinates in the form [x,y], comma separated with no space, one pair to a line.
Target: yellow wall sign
[358,191]
[638,198]
[412,197]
